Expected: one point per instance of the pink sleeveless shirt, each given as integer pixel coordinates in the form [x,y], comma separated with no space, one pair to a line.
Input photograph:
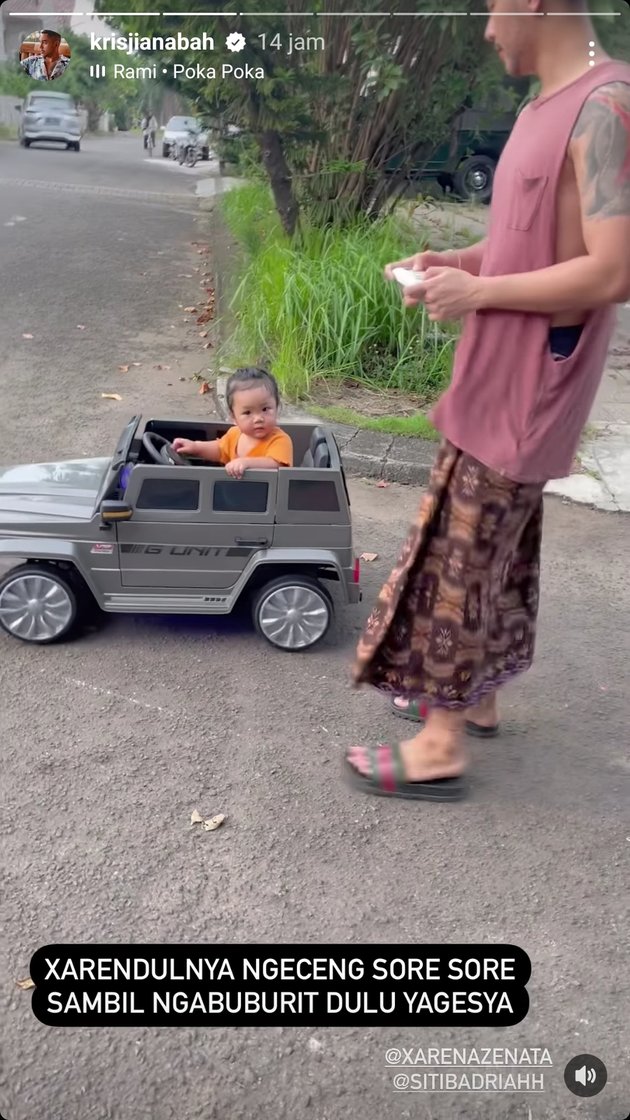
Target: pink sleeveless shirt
[510,404]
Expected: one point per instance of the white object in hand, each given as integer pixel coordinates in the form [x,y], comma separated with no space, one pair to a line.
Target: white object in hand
[406,277]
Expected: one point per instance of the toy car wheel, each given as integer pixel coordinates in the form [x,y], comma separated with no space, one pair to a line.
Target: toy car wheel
[292,612]
[37,604]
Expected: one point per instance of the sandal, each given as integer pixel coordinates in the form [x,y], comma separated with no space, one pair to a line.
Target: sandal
[387,778]
[416,712]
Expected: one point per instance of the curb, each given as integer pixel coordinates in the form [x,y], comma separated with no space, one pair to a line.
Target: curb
[364,454]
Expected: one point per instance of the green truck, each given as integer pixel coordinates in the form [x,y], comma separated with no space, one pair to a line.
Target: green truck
[465,165]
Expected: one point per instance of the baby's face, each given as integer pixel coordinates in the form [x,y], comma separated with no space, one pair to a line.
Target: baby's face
[255,411]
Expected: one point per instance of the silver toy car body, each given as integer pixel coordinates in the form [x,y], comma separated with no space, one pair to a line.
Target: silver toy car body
[147,532]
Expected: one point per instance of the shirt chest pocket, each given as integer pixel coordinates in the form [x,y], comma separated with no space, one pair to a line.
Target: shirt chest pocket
[529,191]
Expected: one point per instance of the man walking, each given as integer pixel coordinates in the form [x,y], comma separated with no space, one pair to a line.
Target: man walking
[457,617]
[50,63]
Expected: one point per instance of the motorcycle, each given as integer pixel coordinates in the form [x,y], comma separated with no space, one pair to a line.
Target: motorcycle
[189,150]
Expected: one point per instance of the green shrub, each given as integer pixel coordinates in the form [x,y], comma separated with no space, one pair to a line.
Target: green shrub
[319,307]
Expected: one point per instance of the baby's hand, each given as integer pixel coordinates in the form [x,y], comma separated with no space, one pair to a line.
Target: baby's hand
[236,468]
[184,446]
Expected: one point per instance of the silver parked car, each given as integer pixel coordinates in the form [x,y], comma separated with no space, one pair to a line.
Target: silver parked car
[147,531]
[50,117]
[177,132]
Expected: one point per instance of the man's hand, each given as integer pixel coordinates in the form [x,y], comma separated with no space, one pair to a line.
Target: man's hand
[447,294]
[418,263]
[184,446]
[236,468]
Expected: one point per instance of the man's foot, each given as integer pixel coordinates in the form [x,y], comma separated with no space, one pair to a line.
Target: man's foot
[427,767]
[482,720]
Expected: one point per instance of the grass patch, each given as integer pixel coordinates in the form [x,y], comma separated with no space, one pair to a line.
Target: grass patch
[8,132]
[318,309]
[413,426]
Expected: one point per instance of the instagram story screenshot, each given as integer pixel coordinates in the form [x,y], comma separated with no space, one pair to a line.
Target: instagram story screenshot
[314,539]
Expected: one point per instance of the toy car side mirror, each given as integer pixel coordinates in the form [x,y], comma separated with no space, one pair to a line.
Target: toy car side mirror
[115,511]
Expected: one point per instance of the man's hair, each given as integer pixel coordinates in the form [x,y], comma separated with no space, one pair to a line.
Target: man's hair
[251,377]
[51,34]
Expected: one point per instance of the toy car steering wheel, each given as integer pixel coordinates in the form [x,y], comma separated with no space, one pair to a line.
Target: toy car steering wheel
[161,450]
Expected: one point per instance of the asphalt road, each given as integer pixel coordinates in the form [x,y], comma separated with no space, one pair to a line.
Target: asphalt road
[109,743]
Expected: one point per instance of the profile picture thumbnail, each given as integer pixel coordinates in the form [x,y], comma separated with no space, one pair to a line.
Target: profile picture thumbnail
[44,55]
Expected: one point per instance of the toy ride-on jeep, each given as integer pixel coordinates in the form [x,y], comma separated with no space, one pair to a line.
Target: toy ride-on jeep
[147,531]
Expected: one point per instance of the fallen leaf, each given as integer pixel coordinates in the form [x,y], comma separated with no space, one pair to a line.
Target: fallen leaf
[213,823]
[111,396]
[382,485]
[26,984]
[27,336]
[205,388]
[160,366]
[136,363]
[203,334]
[184,275]
[207,345]
[369,556]
[123,369]
[195,818]
[80,327]
[190,309]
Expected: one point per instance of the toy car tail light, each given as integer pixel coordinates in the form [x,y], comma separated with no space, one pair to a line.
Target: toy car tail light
[356,575]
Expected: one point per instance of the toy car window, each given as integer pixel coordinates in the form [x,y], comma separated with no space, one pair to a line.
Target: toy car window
[240,497]
[319,497]
[157,493]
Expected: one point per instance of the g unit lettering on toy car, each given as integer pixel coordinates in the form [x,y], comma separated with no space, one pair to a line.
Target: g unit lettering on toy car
[193,550]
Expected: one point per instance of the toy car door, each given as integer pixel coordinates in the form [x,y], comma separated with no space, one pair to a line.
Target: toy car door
[194,527]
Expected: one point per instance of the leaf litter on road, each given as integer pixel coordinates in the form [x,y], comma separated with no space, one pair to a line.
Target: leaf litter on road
[26,984]
[27,336]
[369,557]
[210,824]
[213,823]
[204,388]
[123,369]
[111,396]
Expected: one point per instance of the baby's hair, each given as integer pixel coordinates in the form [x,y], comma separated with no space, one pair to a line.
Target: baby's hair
[251,377]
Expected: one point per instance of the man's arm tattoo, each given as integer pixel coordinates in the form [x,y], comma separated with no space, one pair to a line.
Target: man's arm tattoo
[603,127]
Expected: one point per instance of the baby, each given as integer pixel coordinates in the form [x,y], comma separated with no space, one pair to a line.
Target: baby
[255,442]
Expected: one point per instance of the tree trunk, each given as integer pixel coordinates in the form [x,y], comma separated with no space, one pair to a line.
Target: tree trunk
[275,164]
[94,113]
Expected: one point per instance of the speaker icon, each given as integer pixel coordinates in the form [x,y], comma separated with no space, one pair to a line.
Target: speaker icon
[585,1075]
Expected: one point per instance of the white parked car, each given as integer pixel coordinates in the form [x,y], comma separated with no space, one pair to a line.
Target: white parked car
[177,131]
